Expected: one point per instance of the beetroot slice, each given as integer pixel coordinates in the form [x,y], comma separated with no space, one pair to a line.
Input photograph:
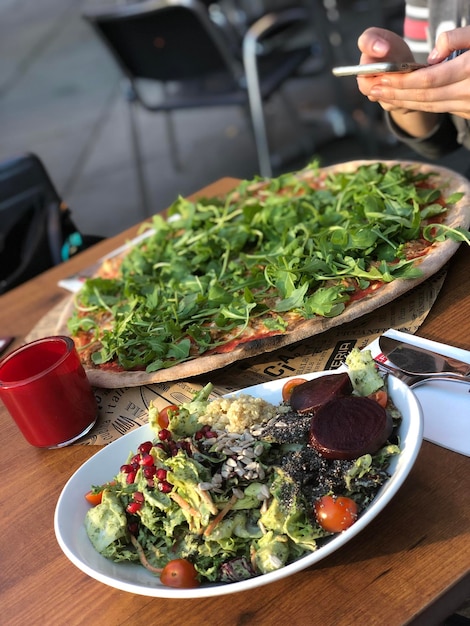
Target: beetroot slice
[313,394]
[349,427]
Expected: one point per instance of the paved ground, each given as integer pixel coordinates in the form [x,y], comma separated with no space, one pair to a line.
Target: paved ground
[60,97]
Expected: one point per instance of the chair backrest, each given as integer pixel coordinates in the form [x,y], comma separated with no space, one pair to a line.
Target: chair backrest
[23,181]
[25,189]
[35,224]
[164,40]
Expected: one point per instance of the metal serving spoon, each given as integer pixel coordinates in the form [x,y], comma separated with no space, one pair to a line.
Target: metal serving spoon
[419,363]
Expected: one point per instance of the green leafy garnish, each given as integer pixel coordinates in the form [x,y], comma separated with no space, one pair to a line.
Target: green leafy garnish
[297,246]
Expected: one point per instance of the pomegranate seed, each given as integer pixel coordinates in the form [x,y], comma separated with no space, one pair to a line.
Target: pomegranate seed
[161,473]
[149,472]
[138,496]
[164,486]
[199,435]
[164,434]
[186,445]
[126,468]
[145,447]
[135,460]
[130,478]
[133,507]
[147,459]
[150,483]
[210,434]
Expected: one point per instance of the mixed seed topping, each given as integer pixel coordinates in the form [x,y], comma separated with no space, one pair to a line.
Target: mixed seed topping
[242,464]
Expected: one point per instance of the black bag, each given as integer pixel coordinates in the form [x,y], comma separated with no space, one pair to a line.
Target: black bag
[36,227]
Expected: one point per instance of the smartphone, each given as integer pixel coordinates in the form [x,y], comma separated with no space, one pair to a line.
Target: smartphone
[370,69]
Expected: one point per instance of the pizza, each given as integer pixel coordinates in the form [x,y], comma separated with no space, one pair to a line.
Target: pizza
[272,263]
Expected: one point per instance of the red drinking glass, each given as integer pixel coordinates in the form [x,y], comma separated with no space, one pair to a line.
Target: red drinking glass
[45,389]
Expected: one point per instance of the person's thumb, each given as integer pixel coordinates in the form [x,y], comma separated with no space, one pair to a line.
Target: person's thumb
[448,42]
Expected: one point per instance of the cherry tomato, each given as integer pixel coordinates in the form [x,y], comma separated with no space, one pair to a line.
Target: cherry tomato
[289,387]
[163,417]
[95,495]
[179,573]
[335,513]
[381,397]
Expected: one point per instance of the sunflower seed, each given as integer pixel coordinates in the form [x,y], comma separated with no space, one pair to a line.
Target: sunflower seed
[264,491]
[258,449]
[205,486]
[249,463]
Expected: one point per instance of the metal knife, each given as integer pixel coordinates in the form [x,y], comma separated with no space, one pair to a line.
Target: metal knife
[4,343]
[417,361]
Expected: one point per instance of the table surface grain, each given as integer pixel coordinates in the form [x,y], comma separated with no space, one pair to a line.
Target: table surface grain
[410,565]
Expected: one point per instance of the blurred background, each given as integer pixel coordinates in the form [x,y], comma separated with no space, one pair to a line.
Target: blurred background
[61,98]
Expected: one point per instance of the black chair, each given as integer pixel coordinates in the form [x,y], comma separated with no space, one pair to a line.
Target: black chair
[198,64]
[36,227]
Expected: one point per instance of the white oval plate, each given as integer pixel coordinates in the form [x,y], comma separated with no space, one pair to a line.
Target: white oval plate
[103,466]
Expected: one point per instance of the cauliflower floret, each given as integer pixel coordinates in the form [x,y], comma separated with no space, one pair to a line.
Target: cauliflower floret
[237,413]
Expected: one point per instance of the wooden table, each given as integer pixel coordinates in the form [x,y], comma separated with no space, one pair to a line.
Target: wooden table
[411,564]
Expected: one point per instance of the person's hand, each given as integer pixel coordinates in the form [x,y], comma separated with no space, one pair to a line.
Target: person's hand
[376,45]
[440,88]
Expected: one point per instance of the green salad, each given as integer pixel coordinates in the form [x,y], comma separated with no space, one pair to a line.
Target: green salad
[229,487]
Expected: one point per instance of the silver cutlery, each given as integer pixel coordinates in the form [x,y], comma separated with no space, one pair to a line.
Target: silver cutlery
[418,363]
[4,343]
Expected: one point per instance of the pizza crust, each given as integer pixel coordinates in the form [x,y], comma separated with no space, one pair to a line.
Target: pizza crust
[458,216]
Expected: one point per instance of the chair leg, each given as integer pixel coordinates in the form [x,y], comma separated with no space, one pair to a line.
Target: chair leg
[138,162]
[256,106]
[171,136]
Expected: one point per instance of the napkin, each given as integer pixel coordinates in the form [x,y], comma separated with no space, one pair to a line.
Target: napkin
[445,404]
